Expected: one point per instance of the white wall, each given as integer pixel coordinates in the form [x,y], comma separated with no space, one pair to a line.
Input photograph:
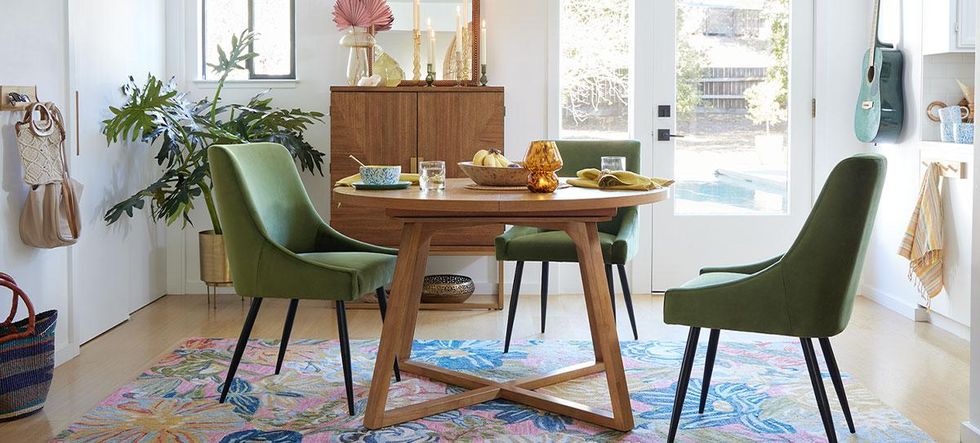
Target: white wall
[970,431]
[119,268]
[41,61]
[886,273]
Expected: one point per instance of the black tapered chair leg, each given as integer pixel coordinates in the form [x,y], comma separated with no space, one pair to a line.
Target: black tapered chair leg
[612,289]
[544,294]
[709,364]
[828,356]
[687,364]
[514,293]
[240,347]
[345,354]
[813,367]
[383,308]
[286,329]
[628,298]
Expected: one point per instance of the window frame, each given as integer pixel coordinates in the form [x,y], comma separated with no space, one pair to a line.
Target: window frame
[250,64]
[554,42]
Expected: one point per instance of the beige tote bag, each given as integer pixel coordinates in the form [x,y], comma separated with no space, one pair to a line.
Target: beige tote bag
[50,218]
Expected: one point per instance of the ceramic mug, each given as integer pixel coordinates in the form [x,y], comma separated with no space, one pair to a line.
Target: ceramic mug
[949,118]
[963,133]
[380,175]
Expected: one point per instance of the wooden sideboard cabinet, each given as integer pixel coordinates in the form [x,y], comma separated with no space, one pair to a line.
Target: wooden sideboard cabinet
[402,126]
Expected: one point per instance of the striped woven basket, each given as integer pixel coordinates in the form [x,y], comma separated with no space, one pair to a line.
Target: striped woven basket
[26,357]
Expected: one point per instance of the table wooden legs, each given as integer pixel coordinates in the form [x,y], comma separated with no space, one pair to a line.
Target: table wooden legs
[605,340]
[399,330]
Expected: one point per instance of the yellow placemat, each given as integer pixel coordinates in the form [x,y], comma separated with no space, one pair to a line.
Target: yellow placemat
[617,181]
[349,181]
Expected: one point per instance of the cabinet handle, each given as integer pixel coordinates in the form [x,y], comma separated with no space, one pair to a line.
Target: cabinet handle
[413,165]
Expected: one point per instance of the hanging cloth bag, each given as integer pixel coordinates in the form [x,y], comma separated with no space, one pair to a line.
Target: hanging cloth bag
[50,218]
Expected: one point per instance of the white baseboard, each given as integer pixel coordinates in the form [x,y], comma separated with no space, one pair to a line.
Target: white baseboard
[66,353]
[947,324]
[902,307]
[197,287]
[915,312]
[969,433]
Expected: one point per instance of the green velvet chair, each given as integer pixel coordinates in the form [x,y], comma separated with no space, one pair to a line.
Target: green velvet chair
[617,237]
[279,247]
[808,292]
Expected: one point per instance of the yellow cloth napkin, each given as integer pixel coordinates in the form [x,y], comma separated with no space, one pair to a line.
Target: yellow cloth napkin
[617,181]
[349,181]
[923,241]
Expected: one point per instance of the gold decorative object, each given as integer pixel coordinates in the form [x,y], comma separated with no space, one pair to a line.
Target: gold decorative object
[387,67]
[542,159]
[454,67]
[214,261]
[447,288]
[215,270]
[417,61]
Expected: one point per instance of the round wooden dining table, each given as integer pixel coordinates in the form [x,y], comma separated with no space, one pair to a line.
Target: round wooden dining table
[576,211]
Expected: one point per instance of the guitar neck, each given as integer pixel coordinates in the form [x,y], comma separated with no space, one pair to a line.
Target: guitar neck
[874,32]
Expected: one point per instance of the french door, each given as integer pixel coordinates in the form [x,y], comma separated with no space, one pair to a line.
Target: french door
[729,90]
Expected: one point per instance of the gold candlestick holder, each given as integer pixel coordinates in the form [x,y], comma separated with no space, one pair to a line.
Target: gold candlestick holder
[459,68]
[417,62]
[483,76]
[430,74]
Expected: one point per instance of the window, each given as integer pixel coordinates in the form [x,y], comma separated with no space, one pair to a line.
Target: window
[273,23]
[595,68]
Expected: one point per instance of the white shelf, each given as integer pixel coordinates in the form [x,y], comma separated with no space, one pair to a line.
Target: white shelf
[931,144]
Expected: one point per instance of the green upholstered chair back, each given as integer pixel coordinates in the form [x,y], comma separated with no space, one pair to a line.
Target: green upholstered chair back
[581,154]
[821,269]
[260,200]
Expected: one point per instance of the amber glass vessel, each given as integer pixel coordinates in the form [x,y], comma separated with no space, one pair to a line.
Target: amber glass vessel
[542,159]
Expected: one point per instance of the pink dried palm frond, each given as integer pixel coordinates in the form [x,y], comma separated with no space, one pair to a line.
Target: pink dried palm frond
[363,13]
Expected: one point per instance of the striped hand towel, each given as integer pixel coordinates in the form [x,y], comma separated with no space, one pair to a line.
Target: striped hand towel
[923,241]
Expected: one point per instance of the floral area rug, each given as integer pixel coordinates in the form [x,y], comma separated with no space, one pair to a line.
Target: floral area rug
[759,392]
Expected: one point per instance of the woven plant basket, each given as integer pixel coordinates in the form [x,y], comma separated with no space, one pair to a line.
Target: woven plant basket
[26,357]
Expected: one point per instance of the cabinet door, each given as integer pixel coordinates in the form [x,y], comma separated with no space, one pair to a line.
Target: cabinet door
[454,125]
[378,128]
[966,24]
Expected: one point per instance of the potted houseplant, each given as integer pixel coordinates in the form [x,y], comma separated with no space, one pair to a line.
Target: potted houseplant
[160,115]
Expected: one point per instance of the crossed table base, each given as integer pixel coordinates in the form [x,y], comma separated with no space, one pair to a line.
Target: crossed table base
[399,328]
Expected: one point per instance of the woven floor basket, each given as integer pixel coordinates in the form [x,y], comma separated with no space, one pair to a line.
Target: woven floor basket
[26,359]
[26,366]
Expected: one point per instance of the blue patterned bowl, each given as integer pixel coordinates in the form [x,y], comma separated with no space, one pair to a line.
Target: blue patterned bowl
[380,175]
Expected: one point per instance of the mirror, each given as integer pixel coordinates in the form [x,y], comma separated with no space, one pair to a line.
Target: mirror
[399,43]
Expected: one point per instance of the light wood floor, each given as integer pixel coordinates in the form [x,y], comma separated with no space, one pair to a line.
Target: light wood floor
[913,367]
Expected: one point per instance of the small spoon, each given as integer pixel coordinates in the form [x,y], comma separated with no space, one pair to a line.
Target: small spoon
[358,161]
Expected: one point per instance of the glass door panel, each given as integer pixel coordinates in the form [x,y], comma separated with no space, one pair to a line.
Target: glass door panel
[732,64]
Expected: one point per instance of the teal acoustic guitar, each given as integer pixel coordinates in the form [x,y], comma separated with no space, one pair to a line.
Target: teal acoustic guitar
[880,111]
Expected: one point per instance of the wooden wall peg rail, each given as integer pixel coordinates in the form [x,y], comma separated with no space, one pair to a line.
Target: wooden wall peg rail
[949,169]
[576,211]
[30,92]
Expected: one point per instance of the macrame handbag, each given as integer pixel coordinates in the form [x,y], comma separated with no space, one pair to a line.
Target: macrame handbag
[50,218]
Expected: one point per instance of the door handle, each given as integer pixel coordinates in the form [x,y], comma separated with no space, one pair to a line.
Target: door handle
[664,135]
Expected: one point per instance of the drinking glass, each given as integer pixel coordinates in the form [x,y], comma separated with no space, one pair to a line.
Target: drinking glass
[613,164]
[432,175]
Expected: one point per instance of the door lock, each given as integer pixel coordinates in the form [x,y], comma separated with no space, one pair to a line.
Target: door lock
[664,135]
